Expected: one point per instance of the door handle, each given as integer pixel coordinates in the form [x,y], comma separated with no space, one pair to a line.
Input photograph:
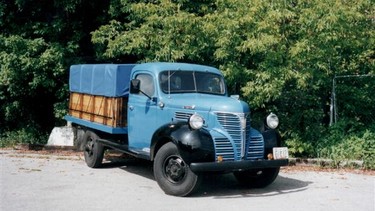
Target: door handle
[131,108]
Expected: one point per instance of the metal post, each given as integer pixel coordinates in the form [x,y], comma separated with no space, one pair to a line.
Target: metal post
[333,106]
[334,101]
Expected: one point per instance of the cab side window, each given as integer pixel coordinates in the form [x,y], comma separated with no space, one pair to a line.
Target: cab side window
[147,84]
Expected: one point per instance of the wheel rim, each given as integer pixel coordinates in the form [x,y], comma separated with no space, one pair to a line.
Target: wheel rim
[89,147]
[174,168]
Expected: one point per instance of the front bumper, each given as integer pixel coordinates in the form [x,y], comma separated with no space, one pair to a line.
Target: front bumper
[237,165]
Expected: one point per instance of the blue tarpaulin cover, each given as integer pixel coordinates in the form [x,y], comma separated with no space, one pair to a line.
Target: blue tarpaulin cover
[111,80]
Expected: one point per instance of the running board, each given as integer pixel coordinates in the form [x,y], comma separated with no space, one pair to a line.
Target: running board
[122,148]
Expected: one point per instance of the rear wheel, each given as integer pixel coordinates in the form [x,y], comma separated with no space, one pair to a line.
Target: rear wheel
[257,178]
[172,173]
[93,151]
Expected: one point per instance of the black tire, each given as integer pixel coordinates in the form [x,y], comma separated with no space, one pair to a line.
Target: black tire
[257,178]
[173,174]
[93,151]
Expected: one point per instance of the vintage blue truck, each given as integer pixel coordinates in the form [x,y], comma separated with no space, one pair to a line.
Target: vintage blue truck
[177,115]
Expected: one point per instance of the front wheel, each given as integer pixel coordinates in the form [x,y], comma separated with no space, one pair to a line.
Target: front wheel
[172,173]
[93,151]
[257,178]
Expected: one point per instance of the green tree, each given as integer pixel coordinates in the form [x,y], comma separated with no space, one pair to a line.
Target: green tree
[39,40]
[328,38]
[29,82]
[161,31]
[279,55]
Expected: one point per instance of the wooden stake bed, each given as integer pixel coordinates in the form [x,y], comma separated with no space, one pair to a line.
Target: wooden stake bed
[110,111]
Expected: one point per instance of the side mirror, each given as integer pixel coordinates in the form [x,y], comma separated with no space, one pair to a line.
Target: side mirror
[135,86]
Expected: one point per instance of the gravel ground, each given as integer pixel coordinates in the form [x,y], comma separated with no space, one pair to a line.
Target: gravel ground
[60,180]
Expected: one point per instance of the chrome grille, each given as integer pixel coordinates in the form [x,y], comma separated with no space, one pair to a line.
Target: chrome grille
[232,124]
[224,149]
[182,116]
[247,142]
[255,146]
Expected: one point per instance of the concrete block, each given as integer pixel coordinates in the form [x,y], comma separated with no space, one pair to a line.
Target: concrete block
[61,136]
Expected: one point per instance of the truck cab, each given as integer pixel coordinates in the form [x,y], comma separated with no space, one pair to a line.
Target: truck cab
[181,117]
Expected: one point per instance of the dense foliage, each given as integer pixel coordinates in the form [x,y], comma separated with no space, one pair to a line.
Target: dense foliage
[280,56]
[38,41]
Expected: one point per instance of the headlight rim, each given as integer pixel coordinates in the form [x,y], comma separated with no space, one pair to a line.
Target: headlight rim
[272,121]
[196,121]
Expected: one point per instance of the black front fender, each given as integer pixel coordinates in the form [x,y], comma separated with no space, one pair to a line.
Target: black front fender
[272,139]
[193,145]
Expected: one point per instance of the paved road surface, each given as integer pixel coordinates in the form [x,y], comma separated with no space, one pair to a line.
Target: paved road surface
[50,182]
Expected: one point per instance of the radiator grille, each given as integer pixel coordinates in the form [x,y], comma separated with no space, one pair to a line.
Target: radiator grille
[224,149]
[255,146]
[232,125]
[247,142]
[182,116]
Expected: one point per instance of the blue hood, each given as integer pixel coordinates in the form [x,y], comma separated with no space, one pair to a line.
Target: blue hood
[206,103]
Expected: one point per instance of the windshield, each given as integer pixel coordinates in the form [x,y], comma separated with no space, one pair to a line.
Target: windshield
[191,82]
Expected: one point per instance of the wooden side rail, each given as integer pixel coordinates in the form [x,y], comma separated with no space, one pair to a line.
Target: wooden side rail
[111,111]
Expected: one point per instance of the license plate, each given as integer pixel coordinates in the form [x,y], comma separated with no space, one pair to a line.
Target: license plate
[280,153]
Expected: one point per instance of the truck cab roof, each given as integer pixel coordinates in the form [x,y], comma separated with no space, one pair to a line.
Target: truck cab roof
[158,67]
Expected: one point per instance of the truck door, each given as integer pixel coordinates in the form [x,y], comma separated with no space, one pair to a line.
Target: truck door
[142,115]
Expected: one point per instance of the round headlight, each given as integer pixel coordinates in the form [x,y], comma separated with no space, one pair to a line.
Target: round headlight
[272,121]
[196,121]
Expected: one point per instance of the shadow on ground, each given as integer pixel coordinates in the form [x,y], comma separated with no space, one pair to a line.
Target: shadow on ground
[213,185]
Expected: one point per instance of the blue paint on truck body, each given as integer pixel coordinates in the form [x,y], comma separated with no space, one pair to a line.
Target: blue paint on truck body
[172,93]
